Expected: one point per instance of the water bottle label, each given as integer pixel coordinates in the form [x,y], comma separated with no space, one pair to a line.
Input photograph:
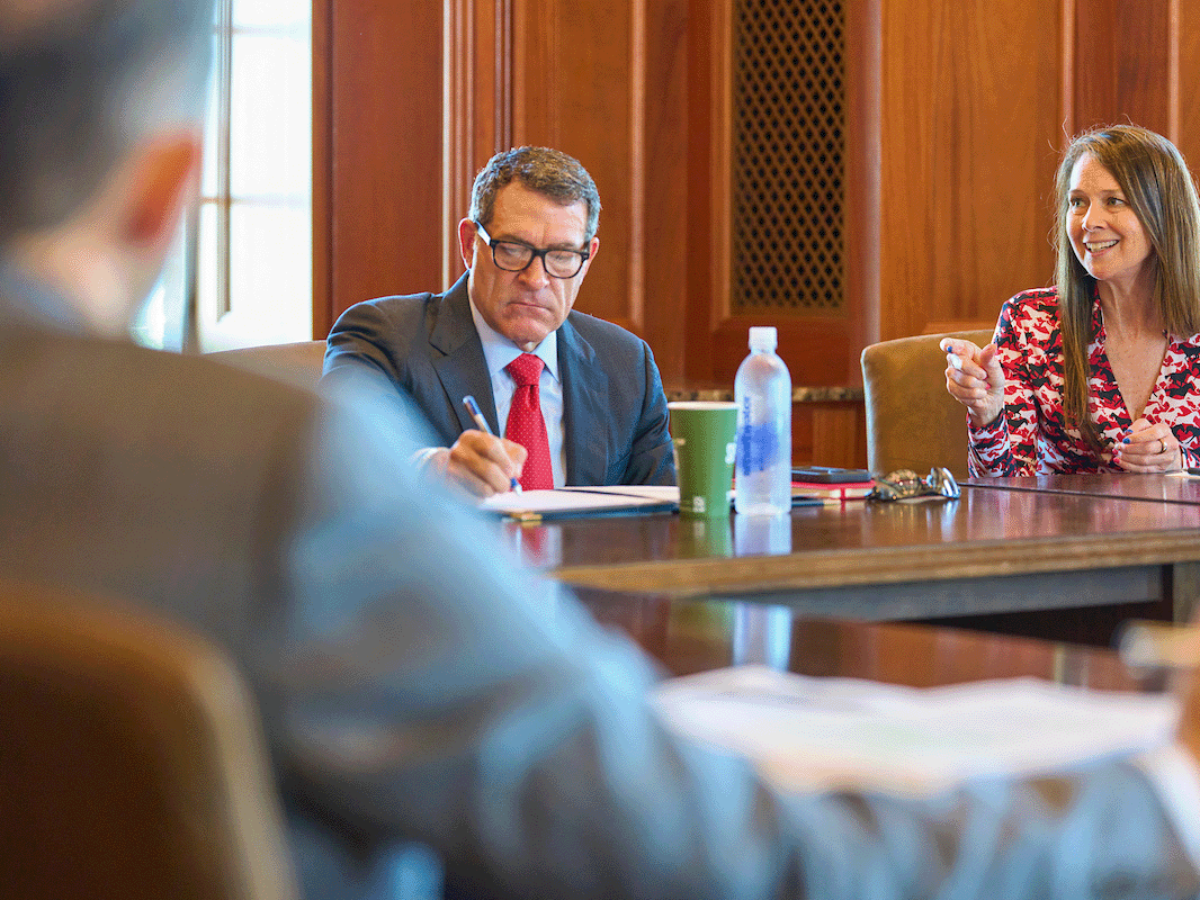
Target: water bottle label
[758,447]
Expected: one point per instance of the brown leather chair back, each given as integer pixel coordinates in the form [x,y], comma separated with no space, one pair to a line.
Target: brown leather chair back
[131,764]
[912,422]
[299,363]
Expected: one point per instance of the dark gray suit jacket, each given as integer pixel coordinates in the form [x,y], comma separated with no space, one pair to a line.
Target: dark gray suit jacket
[416,684]
[614,409]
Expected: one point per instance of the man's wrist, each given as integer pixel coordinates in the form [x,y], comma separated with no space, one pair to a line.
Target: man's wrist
[428,456]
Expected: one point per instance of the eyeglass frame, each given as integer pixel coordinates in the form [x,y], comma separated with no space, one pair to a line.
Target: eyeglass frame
[584,255]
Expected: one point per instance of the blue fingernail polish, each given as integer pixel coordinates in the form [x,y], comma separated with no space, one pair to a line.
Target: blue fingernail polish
[1125,440]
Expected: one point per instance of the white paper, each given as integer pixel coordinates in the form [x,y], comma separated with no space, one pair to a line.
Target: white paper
[571,500]
[809,733]
[659,493]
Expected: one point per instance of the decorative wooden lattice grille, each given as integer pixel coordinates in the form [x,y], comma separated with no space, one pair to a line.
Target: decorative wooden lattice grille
[788,157]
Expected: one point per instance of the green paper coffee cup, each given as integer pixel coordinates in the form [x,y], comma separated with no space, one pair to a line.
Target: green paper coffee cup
[705,437]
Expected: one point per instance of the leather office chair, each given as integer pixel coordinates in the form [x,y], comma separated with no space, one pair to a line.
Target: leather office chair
[299,363]
[130,761]
[912,421]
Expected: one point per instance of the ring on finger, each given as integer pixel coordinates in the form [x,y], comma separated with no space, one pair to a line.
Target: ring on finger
[1163,449]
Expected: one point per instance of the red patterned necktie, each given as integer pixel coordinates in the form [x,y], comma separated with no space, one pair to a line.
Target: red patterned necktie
[525,423]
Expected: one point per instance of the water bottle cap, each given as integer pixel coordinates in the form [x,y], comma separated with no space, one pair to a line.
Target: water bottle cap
[763,337]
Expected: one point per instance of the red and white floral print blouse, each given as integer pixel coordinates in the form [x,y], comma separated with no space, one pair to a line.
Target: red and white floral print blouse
[1032,437]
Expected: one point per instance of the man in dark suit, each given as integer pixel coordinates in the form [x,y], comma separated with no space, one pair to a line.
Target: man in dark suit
[415,685]
[528,242]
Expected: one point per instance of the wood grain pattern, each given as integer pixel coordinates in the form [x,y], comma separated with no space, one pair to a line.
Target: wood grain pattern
[864,61]
[1126,64]
[707,97]
[688,636]
[478,81]
[970,128]
[840,435]
[385,160]
[987,534]
[667,234]
[574,77]
[1151,487]
[1026,562]
[1188,139]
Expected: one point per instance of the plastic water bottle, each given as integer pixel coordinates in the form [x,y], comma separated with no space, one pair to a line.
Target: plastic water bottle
[763,392]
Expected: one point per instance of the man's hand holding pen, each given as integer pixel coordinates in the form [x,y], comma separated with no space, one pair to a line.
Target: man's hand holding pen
[479,461]
[482,463]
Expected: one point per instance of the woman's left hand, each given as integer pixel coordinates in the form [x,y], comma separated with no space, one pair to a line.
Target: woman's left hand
[1149,447]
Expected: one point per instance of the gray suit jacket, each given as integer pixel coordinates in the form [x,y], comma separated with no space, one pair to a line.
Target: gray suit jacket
[416,684]
[614,409]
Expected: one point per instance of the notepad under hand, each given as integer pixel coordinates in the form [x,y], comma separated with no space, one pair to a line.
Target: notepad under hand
[571,502]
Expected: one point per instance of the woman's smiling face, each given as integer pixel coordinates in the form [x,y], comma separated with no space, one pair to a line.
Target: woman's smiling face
[1107,237]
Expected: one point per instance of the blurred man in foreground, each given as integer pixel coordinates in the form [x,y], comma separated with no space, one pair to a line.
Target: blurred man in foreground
[413,685]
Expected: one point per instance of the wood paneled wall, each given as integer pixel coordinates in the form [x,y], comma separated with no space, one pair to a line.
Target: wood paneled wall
[377,151]
[969,130]
[956,113]
[971,126]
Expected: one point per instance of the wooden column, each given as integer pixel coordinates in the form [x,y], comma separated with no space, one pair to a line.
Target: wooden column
[377,179]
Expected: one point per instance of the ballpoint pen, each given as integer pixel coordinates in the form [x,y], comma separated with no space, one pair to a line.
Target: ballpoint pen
[481,423]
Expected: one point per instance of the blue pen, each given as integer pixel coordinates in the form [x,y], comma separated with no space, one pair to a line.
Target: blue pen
[481,423]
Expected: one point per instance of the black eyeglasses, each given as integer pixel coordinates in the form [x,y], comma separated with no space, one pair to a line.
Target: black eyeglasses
[514,257]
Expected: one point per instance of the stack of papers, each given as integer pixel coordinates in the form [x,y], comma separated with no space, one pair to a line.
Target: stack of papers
[577,501]
[806,733]
[569,502]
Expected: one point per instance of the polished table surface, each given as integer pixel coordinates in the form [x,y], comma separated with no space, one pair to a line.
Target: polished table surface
[991,551]
[1172,488]
[688,636]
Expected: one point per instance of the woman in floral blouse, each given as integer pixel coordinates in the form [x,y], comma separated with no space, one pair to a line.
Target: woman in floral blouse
[1102,372]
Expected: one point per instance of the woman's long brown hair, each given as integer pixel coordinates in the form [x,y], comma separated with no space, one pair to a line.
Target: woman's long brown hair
[1159,188]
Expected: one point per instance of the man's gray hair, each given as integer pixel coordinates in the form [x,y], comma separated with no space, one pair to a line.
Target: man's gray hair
[81,81]
[552,173]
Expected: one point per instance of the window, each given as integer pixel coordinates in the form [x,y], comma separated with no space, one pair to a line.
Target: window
[245,255]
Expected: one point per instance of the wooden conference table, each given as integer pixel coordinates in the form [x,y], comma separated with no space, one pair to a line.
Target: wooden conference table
[689,635]
[1128,545]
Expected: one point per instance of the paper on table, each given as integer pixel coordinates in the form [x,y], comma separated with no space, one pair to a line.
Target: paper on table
[662,493]
[582,501]
[810,733]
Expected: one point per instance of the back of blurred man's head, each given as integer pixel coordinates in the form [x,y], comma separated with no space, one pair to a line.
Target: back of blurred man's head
[82,82]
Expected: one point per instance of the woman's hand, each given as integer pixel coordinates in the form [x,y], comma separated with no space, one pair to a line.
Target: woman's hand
[975,379]
[1149,447]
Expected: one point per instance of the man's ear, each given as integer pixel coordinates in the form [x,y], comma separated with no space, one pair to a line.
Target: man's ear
[161,180]
[466,241]
[593,249]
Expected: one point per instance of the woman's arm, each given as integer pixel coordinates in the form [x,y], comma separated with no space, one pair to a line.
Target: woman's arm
[1007,445]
